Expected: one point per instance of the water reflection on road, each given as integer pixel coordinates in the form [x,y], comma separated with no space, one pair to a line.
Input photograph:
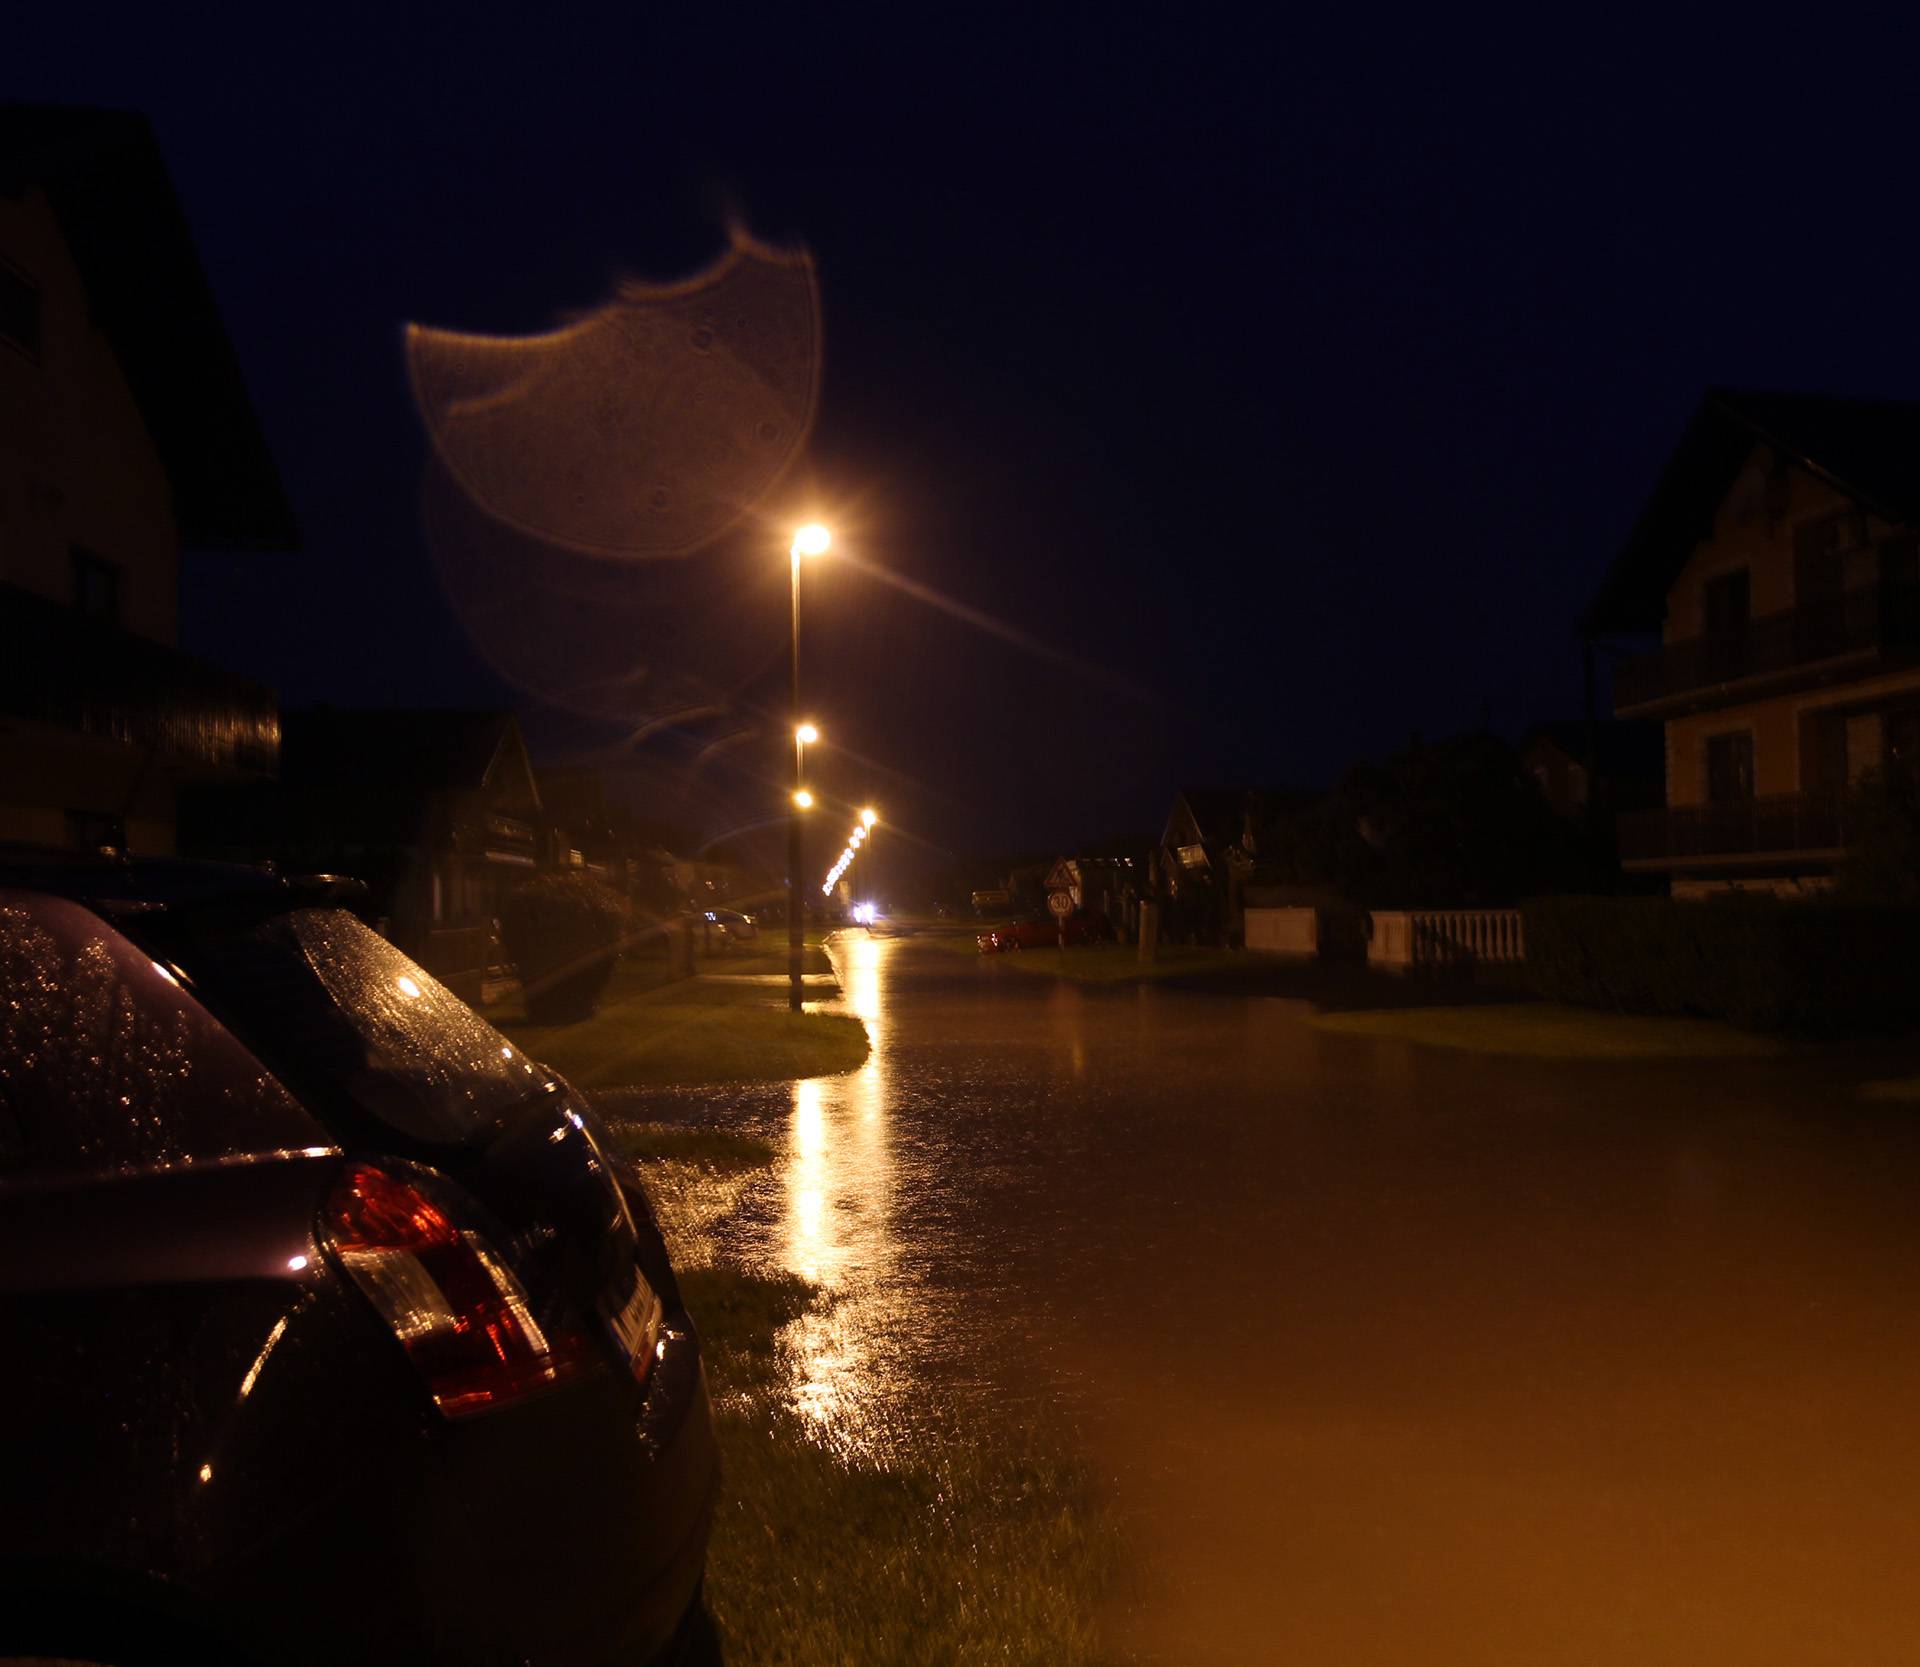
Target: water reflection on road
[1390,1355]
[836,1228]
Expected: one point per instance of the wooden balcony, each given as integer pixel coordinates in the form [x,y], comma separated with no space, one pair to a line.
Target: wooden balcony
[1840,636]
[71,673]
[1809,827]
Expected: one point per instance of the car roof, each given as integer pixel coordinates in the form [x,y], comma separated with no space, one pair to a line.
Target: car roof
[157,882]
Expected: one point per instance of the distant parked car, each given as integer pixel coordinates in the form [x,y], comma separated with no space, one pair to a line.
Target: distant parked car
[1080,927]
[731,923]
[336,1331]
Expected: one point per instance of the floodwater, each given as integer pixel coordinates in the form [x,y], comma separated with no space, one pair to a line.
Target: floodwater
[1388,1355]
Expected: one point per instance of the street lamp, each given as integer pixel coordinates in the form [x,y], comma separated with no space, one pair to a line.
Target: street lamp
[810,540]
[869,820]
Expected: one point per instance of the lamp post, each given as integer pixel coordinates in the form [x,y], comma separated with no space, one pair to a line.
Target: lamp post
[808,541]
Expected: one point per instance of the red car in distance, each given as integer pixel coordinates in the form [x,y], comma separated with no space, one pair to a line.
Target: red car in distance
[1080,927]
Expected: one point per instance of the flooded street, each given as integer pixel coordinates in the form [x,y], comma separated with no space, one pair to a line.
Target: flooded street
[1386,1354]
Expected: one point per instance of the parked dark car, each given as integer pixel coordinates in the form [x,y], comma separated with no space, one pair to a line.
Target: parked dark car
[334,1330]
[1078,928]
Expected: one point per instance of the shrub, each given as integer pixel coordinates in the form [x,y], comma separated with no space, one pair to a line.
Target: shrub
[1814,967]
[564,933]
[1883,840]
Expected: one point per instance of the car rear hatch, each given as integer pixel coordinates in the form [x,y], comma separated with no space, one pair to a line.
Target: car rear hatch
[399,1066]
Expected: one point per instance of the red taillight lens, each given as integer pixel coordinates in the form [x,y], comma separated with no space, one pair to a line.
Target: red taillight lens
[458,1309]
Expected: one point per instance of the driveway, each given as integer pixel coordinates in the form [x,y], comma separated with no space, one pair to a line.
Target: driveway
[1389,1355]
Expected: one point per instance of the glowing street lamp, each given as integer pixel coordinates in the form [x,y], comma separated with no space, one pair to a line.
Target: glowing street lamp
[868,818]
[810,540]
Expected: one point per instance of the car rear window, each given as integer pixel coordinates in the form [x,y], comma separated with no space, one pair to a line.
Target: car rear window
[341,1013]
[107,1063]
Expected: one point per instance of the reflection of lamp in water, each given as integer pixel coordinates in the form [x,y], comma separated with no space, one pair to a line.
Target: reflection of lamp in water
[810,540]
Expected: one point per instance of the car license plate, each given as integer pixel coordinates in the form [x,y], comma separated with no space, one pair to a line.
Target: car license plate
[636,1325]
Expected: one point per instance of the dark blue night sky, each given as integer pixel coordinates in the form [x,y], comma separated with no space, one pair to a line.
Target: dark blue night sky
[1300,377]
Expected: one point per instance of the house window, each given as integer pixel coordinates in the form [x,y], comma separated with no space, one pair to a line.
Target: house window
[96,587]
[19,311]
[1728,603]
[1730,768]
[1830,535]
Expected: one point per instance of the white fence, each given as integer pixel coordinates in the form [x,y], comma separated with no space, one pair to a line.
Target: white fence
[1406,940]
[1283,931]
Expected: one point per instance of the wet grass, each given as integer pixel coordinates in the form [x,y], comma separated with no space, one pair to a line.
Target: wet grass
[1119,963]
[990,1544]
[764,958]
[649,1034]
[1545,1030]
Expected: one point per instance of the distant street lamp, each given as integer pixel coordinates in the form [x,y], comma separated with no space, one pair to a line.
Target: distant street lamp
[810,540]
[869,820]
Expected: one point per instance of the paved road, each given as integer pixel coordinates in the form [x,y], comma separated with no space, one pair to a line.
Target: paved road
[1392,1356]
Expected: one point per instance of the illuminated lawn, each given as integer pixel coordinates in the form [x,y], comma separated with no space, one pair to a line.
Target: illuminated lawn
[991,1545]
[764,957]
[1118,963]
[1545,1030]
[649,1034]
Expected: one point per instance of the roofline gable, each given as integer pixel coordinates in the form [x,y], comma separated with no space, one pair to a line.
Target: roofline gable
[1867,450]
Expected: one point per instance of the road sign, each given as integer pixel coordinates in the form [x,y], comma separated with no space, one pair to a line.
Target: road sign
[1061,903]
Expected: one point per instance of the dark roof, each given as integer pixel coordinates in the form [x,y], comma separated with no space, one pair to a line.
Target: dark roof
[1868,449]
[1624,749]
[1218,812]
[407,753]
[108,186]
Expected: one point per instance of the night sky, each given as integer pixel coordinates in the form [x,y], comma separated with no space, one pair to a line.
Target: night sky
[1295,382]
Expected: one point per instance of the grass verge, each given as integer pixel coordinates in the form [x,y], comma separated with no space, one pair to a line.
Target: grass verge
[1892,1088]
[705,1148]
[1545,1030]
[761,959]
[1119,963]
[987,1545]
[648,1034]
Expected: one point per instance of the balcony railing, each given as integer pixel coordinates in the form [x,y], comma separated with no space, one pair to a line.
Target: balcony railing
[61,669]
[1863,621]
[1784,823]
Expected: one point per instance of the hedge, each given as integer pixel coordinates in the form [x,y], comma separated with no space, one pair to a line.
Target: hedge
[564,933]
[1813,967]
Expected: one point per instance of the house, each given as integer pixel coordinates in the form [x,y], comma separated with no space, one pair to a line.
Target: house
[437,811]
[126,434]
[1776,560]
[1600,768]
[1107,884]
[1206,852]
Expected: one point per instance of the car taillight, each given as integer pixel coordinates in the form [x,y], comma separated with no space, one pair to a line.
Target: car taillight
[456,1307]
